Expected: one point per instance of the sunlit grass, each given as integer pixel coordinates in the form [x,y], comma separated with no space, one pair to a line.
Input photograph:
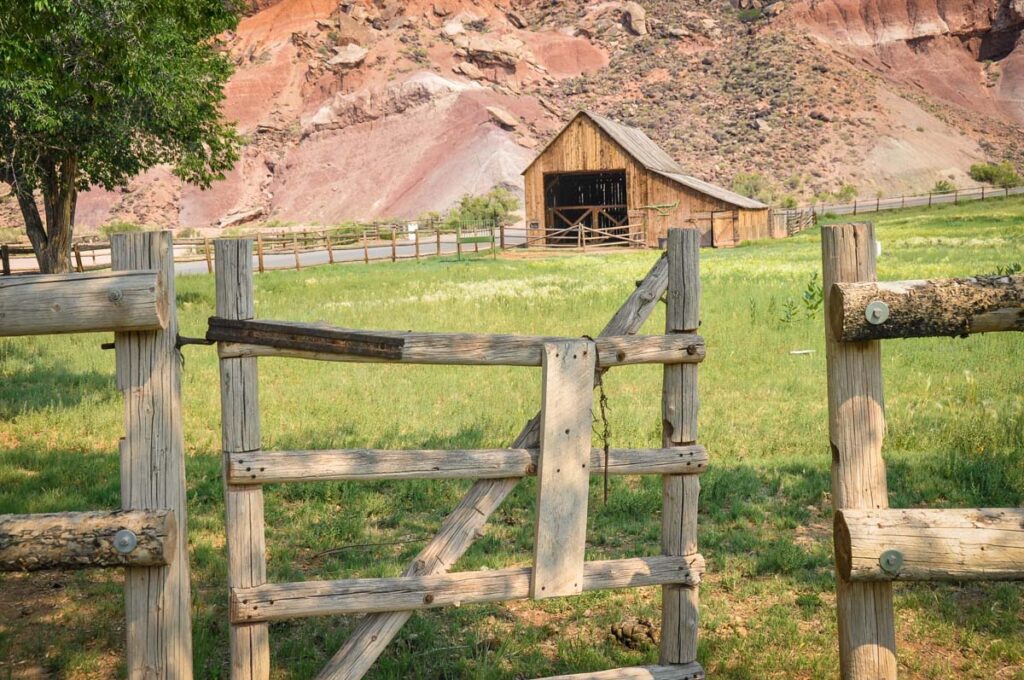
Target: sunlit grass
[955,437]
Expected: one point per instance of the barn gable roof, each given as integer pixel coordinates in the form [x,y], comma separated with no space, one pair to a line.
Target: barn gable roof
[648,154]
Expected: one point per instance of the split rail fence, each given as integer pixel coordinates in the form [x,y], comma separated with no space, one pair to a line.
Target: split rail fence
[148,536]
[875,545]
[555,446]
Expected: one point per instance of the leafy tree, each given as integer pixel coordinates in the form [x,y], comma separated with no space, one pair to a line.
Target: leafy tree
[93,92]
[1001,175]
[497,204]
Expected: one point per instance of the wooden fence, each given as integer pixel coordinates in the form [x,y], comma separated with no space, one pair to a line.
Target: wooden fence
[875,545]
[868,205]
[554,446]
[149,535]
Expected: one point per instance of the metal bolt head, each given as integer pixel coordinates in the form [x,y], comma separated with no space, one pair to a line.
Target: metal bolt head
[115,295]
[890,561]
[125,541]
[876,312]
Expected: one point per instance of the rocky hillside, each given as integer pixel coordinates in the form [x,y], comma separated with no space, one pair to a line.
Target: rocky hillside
[364,109]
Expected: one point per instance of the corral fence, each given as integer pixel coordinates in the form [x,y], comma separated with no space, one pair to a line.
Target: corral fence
[148,537]
[861,206]
[554,446]
[875,545]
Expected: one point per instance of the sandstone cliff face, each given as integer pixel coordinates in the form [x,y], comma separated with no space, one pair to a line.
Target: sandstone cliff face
[363,109]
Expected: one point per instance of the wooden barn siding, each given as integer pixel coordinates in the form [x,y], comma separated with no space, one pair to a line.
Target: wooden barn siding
[583,147]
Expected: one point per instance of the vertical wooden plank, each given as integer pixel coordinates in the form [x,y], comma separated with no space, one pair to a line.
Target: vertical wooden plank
[78,259]
[259,251]
[563,480]
[295,249]
[856,424]
[5,259]
[416,235]
[157,599]
[394,246]
[458,241]
[240,433]
[330,248]
[680,493]
[366,249]
[209,262]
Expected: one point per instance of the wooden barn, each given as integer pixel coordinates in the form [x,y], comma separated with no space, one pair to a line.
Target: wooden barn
[599,182]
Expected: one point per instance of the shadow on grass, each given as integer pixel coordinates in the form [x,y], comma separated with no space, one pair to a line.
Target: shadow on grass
[32,382]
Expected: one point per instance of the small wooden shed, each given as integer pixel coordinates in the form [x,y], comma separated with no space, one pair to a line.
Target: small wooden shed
[601,182]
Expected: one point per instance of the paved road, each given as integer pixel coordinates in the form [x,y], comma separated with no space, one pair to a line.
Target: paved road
[404,249]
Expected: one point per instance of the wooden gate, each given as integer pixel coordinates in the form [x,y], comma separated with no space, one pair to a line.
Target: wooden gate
[555,446]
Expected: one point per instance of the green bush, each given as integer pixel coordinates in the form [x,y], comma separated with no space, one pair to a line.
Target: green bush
[498,204]
[788,202]
[943,186]
[119,227]
[1002,175]
[847,192]
[753,185]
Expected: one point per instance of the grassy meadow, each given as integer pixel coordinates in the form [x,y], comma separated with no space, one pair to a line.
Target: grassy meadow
[955,411]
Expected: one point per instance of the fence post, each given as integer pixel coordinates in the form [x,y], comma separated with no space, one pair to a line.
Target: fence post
[330,248]
[5,259]
[679,417]
[956,197]
[209,256]
[394,252]
[929,199]
[259,251]
[240,433]
[458,241]
[867,637]
[416,235]
[501,234]
[878,203]
[78,259]
[494,245]
[855,206]
[903,201]
[295,249]
[437,236]
[157,599]
[366,248]
[983,193]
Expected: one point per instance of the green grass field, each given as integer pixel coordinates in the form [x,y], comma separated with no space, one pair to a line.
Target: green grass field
[955,439]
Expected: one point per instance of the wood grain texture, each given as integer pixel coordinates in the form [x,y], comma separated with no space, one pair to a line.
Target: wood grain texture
[458,531]
[240,434]
[265,467]
[280,601]
[82,303]
[563,477]
[680,404]
[469,349]
[867,635]
[689,671]
[979,544]
[158,602]
[932,308]
[85,540]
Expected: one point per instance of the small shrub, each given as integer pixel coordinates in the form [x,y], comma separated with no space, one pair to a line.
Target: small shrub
[847,192]
[813,297]
[750,15]
[1002,175]
[752,185]
[943,186]
[189,232]
[119,227]
[788,202]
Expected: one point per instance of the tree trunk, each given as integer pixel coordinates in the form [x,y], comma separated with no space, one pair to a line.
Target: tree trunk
[52,243]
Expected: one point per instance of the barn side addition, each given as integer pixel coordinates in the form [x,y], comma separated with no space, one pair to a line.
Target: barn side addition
[876,545]
[149,536]
[555,446]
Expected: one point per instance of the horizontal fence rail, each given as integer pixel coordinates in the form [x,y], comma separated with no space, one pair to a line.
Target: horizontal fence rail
[278,601]
[82,303]
[303,341]
[266,467]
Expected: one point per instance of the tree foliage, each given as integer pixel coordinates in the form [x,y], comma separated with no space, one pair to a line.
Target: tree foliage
[1002,175]
[498,204]
[93,92]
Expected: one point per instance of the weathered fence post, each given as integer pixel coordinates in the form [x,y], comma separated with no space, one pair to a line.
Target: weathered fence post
[240,433]
[209,256]
[867,638]
[78,259]
[259,251]
[679,427]
[458,240]
[437,236]
[501,234]
[416,235]
[157,599]
[394,247]
[5,260]
[295,249]
[330,247]
[366,248]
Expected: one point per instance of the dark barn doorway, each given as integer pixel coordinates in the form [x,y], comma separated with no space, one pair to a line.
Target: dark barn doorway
[586,208]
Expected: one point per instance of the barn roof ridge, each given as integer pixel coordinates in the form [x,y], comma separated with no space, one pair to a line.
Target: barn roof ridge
[646,152]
